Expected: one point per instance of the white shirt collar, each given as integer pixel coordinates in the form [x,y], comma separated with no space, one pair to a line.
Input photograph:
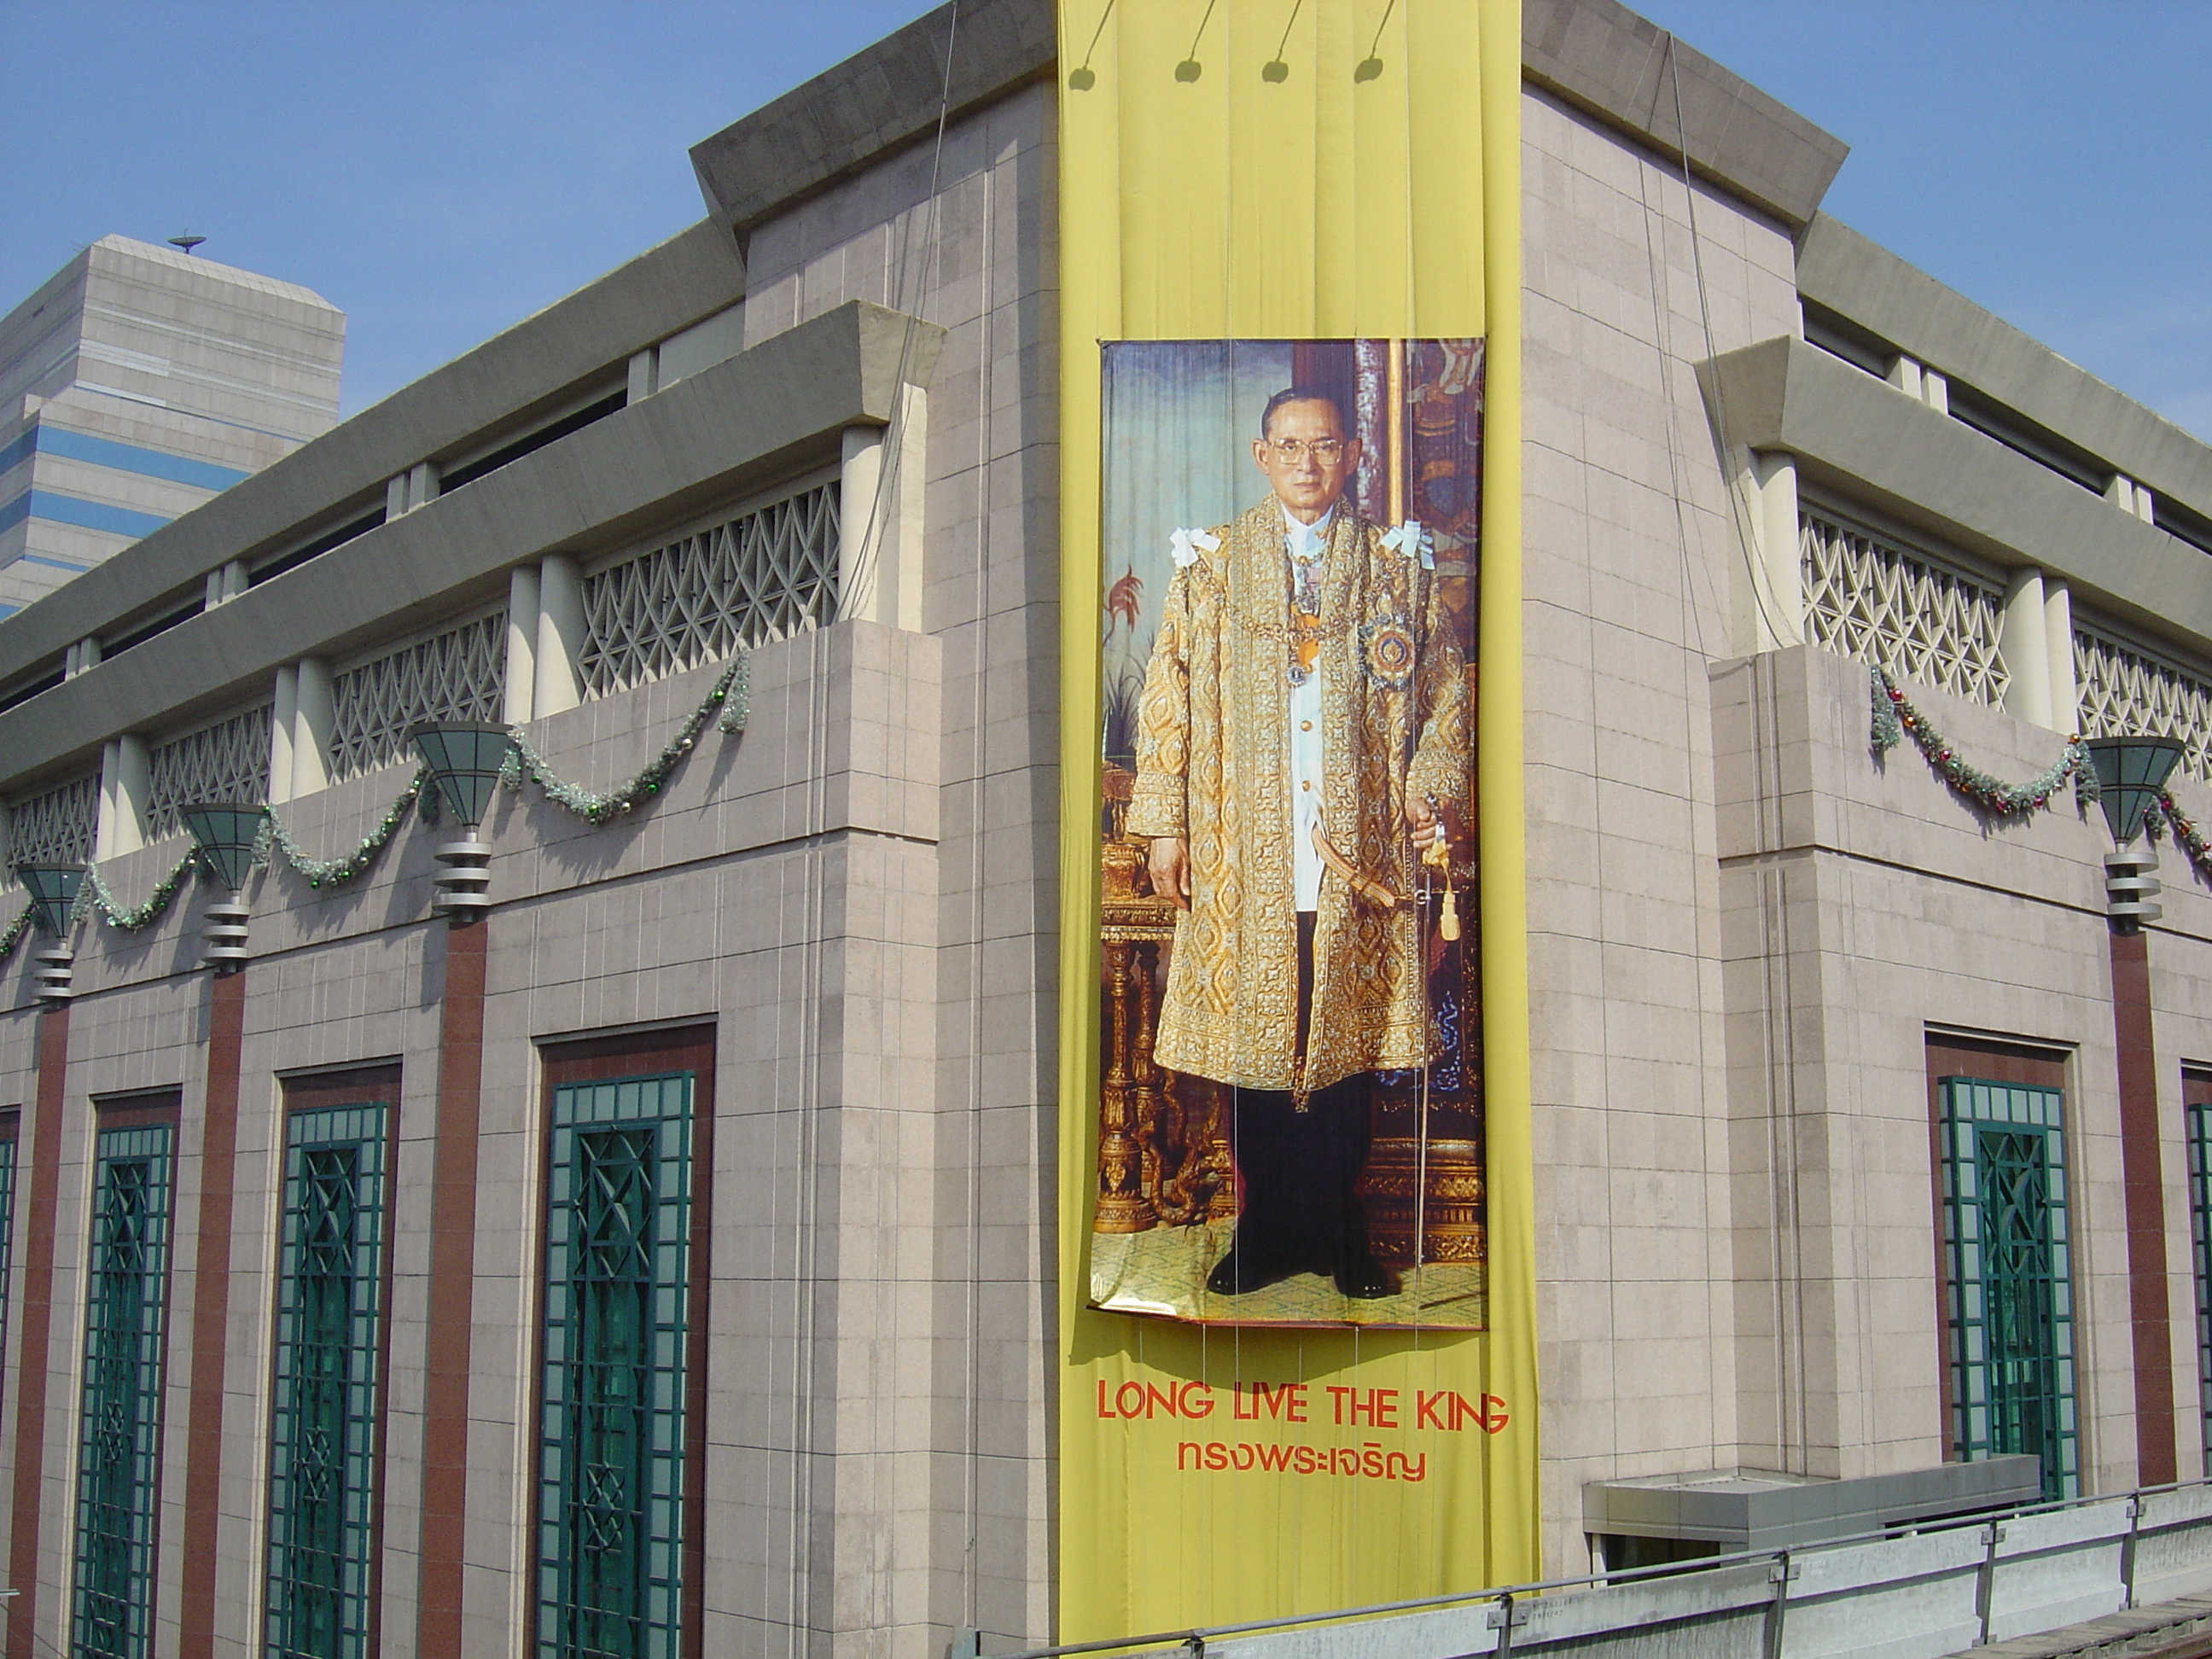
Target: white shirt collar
[1307,540]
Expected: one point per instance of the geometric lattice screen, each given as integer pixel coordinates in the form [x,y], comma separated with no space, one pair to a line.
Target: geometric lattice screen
[765,576]
[2126,691]
[458,675]
[610,1458]
[227,760]
[2010,1304]
[322,1464]
[54,826]
[1900,611]
[120,1440]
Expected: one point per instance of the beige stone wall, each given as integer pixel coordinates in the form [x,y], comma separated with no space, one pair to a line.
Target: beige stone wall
[942,1484]
[1865,904]
[1627,580]
[1743,928]
[858,894]
[783,890]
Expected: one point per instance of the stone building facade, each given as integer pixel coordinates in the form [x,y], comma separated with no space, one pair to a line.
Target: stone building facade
[1762,456]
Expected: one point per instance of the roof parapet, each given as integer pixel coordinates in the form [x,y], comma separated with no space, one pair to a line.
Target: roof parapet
[1603,58]
[1597,55]
[881,99]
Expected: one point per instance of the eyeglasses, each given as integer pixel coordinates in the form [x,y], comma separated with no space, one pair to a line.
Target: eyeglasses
[1290,450]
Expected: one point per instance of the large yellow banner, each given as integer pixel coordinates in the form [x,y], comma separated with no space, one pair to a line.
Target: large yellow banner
[1298,1365]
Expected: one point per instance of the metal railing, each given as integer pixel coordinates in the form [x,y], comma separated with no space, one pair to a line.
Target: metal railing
[1920,1588]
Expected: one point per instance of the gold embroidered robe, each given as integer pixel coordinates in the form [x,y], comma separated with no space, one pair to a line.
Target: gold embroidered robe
[1213,766]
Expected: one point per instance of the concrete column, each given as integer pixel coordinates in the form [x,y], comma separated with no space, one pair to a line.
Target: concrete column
[521,683]
[312,723]
[879,525]
[103,824]
[416,486]
[559,680]
[134,785]
[125,774]
[1904,375]
[1777,476]
[860,484]
[2130,496]
[281,719]
[1934,391]
[644,374]
[2058,654]
[2024,642]
[1769,582]
[225,583]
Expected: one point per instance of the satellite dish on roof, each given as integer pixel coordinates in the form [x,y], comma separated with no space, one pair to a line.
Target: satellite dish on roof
[186,240]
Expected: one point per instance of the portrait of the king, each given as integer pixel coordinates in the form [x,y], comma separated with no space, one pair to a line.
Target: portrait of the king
[1302,750]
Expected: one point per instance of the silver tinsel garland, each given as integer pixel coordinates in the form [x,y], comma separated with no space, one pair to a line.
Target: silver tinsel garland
[2186,836]
[336,873]
[16,929]
[732,695]
[1894,716]
[92,898]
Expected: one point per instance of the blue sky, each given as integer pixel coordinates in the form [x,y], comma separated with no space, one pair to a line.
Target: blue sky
[2051,160]
[441,170]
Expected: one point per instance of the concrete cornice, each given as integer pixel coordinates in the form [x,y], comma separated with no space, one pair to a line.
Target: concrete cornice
[1871,443]
[1864,282]
[1605,59]
[768,413]
[879,100]
[592,330]
[1597,55]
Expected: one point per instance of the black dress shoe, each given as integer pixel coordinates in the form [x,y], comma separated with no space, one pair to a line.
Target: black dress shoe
[1366,1278]
[1240,1271]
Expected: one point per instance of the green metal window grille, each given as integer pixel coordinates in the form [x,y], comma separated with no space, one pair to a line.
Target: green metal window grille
[617,1244]
[2011,1310]
[2200,1234]
[323,1429]
[119,1445]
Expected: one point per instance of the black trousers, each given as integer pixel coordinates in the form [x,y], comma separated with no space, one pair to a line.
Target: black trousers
[1300,1169]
